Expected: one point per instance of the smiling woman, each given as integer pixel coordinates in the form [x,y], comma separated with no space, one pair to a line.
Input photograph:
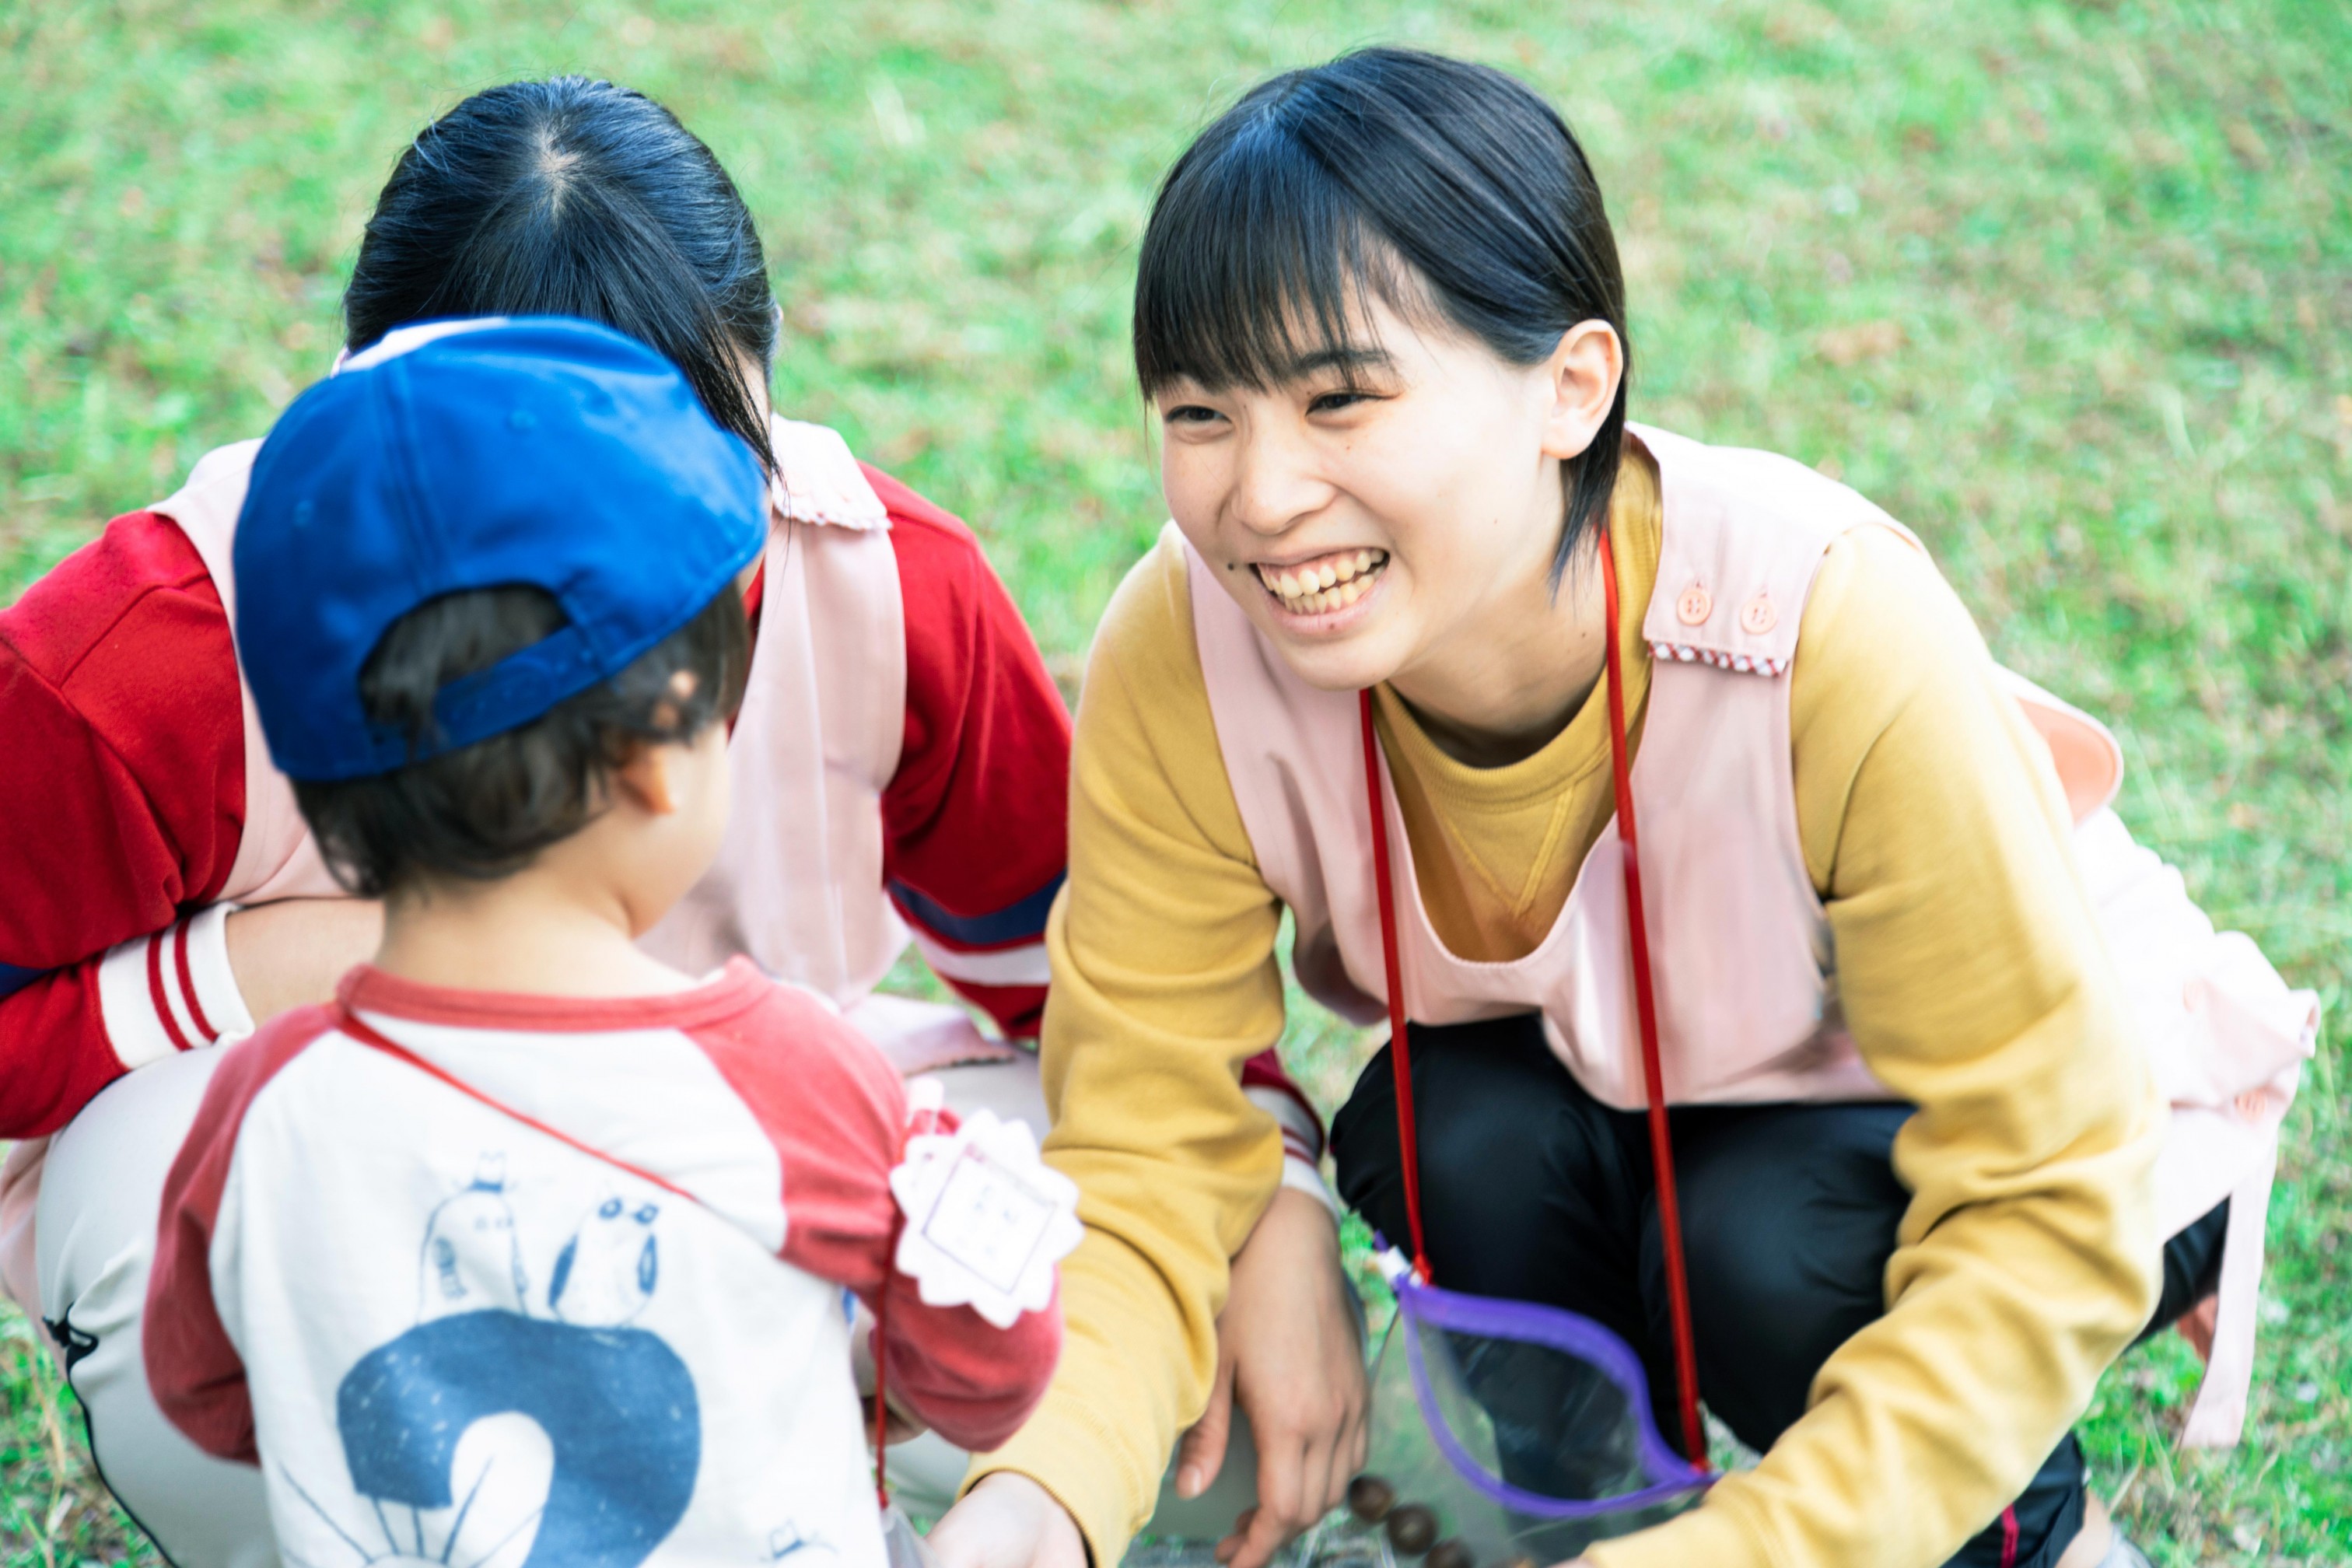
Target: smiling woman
[1920,1124]
[1323,196]
[1447,540]
[1323,267]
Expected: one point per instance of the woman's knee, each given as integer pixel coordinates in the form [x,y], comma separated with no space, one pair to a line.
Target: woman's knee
[1788,1201]
[1483,1094]
[1789,1215]
[103,1177]
[1522,1173]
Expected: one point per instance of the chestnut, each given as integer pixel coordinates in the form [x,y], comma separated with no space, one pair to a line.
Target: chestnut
[1370,1498]
[1412,1528]
[1451,1553]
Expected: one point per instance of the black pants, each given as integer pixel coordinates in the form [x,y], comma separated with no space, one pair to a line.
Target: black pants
[1532,1190]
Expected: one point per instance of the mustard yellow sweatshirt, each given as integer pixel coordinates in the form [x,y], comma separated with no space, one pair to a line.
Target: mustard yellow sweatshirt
[1970,972]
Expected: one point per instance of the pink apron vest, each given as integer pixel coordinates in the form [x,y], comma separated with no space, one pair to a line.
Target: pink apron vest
[1746,987]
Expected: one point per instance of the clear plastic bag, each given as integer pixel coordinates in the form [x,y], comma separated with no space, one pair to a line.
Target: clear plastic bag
[1502,1433]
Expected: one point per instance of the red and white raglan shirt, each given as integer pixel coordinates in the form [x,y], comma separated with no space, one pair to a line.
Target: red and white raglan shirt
[123,789]
[445,1333]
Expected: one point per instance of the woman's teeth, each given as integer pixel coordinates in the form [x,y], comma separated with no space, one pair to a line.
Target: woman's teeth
[1333,583]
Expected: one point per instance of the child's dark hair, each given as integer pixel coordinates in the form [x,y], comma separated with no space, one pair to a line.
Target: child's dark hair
[1432,184]
[483,811]
[574,197]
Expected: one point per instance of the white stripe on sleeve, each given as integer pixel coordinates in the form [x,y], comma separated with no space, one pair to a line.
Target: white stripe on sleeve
[1301,1176]
[217,992]
[1022,966]
[1300,1129]
[127,1007]
[1302,1141]
[176,995]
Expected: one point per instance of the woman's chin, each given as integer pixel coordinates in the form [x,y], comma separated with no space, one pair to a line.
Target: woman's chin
[1344,659]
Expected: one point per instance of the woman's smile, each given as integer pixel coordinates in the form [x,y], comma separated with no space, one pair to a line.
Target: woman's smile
[1311,593]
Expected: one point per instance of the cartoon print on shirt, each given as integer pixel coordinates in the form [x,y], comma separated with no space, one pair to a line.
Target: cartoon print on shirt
[790,1541]
[579,1436]
[606,1273]
[471,1258]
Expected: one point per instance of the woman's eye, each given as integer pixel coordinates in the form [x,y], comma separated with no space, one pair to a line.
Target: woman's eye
[1190,414]
[1335,402]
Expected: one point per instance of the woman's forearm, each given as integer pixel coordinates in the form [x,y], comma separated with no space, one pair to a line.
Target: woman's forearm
[1164,982]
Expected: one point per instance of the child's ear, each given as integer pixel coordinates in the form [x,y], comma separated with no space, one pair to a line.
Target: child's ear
[648,777]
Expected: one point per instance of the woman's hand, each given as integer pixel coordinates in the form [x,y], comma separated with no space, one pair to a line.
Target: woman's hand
[289,954]
[1008,1521]
[1289,1347]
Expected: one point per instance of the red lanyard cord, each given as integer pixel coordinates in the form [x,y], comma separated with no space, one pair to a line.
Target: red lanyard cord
[881,1339]
[1400,1058]
[348,1023]
[1662,1153]
[1645,1007]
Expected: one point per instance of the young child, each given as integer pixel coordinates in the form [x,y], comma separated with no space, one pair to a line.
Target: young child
[532,1249]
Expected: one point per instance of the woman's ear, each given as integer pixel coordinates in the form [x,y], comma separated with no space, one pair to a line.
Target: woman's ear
[1582,375]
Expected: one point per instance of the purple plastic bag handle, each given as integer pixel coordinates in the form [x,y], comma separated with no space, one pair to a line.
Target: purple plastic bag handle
[1558,1329]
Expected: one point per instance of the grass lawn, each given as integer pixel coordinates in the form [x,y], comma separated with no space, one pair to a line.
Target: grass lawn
[2067,287]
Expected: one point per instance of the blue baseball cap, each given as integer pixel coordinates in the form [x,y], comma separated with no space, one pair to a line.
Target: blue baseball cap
[536,451]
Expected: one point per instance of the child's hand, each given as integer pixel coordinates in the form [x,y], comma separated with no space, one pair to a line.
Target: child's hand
[1008,1521]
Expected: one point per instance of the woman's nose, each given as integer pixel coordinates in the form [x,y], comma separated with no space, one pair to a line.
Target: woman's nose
[1277,481]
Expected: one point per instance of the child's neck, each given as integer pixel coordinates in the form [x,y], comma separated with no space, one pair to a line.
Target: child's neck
[543,931]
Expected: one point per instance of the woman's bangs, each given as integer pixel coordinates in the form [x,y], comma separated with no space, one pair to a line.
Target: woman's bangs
[1255,264]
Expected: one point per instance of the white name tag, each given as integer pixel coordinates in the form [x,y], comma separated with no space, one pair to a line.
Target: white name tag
[986,1219]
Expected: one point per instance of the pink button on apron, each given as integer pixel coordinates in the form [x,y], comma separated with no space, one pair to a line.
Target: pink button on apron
[1757,616]
[1695,604]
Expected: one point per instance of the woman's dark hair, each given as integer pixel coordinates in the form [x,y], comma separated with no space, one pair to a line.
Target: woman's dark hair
[573,197]
[1432,184]
[483,811]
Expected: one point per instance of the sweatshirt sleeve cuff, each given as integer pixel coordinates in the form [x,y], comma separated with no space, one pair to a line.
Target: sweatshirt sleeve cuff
[1712,1535]
[171,990]
[1302,1176]
[1302,1138]
[214,981]
[1060,1452]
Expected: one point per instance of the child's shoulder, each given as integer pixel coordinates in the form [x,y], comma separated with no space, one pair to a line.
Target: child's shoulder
[241,1072]
[786,1038]
[247,1066]
[790,1017]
